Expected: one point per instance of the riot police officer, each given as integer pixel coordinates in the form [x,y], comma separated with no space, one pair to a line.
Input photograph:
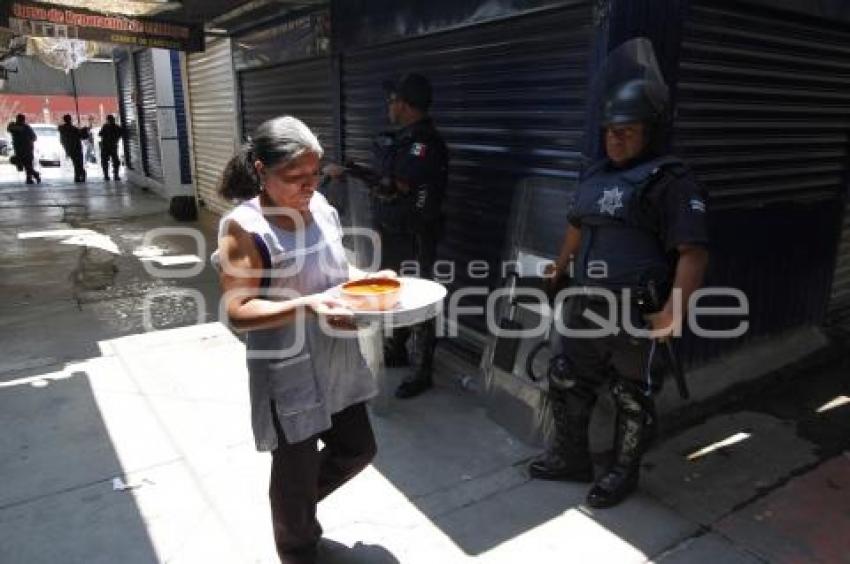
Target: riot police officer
[638,223]
[408,185]
[72,138]
[23,142]
[110,134]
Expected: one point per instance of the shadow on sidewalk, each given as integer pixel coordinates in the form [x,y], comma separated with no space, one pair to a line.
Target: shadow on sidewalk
[61,468]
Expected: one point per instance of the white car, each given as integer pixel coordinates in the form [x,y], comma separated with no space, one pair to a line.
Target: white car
[48,148]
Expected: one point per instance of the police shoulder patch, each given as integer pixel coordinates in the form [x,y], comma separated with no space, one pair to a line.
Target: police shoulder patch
[418,150]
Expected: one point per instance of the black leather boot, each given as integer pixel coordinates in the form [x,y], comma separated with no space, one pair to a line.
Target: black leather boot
[419,383]
[634,428]
[395,356]
[395,348]
[422,357]
[568,458]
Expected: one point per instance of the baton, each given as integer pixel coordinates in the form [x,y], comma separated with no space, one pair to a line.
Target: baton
[672,358]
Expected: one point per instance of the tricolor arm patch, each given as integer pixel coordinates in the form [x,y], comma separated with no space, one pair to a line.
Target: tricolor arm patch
[418,150]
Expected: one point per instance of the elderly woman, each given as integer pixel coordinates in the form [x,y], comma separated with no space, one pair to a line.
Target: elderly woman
[277,252]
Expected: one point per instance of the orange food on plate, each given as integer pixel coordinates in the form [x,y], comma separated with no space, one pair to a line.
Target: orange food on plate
[372,294]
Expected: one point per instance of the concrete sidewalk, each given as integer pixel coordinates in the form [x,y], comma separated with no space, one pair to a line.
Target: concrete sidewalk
[144,454]
[127,445]
[166,413]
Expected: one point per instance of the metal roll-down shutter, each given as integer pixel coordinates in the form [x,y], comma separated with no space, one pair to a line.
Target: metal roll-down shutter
[301,89]
[148,114]
[127,109]
[213,110]
[763,116]
[509,99]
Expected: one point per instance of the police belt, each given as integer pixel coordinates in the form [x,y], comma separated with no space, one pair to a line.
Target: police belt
[638,297]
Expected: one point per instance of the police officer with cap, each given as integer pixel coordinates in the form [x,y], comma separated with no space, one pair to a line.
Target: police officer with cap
[637,236]
[72,138]
[408,185]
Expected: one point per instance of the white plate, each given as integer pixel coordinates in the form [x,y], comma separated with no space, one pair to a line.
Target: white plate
[420,300]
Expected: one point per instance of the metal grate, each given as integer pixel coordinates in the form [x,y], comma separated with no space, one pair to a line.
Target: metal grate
[763,116]
[213,111]
[146,104]
[764,105]
[180,117]
[301,89]
[509,100]
[127,109]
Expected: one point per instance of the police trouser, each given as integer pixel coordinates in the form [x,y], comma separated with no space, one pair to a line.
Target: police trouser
[26,163]
[79,167]
[584,362]
[107,154]
[399,250]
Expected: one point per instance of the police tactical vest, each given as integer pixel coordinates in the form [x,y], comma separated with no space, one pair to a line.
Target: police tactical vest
[621,246]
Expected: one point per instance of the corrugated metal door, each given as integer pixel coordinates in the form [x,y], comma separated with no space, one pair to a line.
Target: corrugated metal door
[127,109]
[147,114]
[509,98]
[212,106]
[763,116]
[839,300]
[180,110]
[301,89]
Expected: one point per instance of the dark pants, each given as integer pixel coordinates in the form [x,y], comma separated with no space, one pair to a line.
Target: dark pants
[624,361]
[302,476]
[398,249]
[79,167]
[593,361]
[107,154]
[26,161]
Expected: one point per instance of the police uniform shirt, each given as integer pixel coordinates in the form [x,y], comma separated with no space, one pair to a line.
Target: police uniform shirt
[71,137]
[421,162]
[110,134]
[23,137]
[681,207]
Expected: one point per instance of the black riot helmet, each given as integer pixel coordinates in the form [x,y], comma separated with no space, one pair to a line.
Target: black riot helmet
[634,100]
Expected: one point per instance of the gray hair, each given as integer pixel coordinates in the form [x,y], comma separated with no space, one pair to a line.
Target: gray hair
[278,141]
[281,140]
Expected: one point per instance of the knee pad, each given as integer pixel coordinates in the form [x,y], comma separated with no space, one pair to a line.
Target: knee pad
[632,397]
[633,403]
[563,378]
[560,374]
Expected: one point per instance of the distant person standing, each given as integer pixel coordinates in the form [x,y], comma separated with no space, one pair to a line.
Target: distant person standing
[71,138]
[110,134]
[23,142]
[89,143]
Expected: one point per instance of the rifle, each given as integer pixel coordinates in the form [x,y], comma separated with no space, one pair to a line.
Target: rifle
[672,358]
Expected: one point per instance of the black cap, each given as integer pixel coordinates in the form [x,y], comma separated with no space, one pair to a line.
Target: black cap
[413,88]
[635,100]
